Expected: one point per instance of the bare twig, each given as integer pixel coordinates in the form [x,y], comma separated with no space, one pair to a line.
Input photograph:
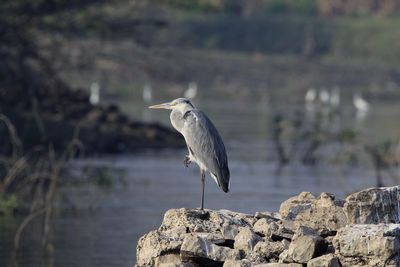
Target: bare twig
[15,140]
[21,228]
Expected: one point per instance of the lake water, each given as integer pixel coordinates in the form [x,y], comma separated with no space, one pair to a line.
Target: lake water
[98,223]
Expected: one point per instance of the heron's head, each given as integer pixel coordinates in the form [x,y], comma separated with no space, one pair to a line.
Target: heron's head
[179,103]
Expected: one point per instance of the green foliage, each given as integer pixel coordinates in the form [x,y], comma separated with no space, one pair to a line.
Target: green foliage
[308,7]
[8,203]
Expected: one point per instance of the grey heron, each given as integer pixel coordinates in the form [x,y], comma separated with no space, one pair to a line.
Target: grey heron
[205,146]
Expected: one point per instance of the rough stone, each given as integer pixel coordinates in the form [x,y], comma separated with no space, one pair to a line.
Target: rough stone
[178,264]
[368,244]
[197,249]
[265,227]
[275,264]
[284,257]
[374,205]
[155,244]
[291,207]
[210,221]
[245,240]
[266,250]
[309,232]
[281,230]
[328,260]
[237,263]
[306,245]
[324,213]
[268,215]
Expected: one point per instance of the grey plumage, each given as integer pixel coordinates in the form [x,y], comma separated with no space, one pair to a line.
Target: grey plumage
[204,143]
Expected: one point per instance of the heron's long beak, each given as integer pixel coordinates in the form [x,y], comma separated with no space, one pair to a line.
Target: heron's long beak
[164,106]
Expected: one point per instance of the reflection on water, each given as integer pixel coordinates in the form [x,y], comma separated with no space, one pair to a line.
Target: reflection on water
[99,225]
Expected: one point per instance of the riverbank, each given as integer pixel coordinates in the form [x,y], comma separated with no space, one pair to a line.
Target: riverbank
[68,115]
[362,230]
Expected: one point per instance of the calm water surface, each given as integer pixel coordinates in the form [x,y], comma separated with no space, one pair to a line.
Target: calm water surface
[100,225]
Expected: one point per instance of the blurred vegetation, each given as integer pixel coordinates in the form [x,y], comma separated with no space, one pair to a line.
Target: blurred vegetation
[319,138]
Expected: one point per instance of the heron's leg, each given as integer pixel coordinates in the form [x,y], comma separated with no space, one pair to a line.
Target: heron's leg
[203,178]
[186,161]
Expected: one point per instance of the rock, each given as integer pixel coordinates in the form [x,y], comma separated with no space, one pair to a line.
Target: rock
[263,227]
[237,263]
[284,257]
[306,244]
[199,250]
[245,240]
[374,245]
[180,264]
[155,244]
[374,205]
[266,250]
[312,232]
[291,207]
[275,264]
[281,230]
[329,260]
[209,221]
[268,215]
[324,213]
[285,243]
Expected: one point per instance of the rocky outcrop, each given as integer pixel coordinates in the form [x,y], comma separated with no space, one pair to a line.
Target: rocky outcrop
[374,205]
[308,231]
[368,244]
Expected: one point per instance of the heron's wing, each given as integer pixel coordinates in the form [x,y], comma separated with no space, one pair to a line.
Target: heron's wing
[206,146]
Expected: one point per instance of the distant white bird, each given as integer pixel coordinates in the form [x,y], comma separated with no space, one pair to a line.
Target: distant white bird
[335,97]
[360,103]
[191,92]
[311,95]
[324,96]
[94,98]
[147,93]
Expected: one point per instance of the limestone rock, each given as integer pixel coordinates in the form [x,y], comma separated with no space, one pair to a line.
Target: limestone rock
[328,260]
[237,263]
[284,257]
[245,240]
[275,264]
[324,213]
[291,207]
[210,221]
[368,244]
[312,231]
[306,244]
[281,230]
[199,250]
[268,215]
[155,244]
[374,205]
[266,250]
[265,227]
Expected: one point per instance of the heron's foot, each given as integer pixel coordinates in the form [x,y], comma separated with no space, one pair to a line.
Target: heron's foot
[187,161]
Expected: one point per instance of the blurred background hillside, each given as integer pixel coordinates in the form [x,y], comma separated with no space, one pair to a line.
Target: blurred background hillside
[305,94]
